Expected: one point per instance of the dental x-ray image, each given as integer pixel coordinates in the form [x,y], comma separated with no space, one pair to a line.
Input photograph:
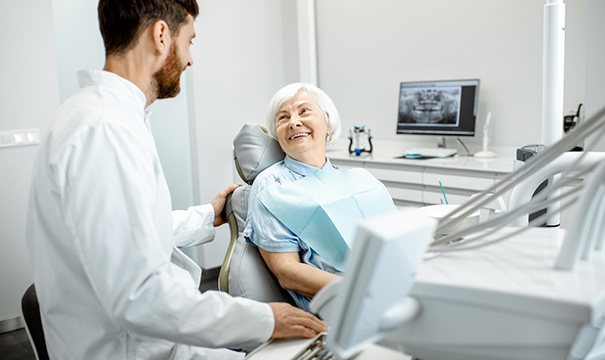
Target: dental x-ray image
[430,106]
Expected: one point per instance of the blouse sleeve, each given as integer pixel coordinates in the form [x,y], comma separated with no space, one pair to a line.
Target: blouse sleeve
[265,230]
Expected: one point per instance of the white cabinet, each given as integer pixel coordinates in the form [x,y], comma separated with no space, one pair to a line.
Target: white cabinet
[394,174]
[416,182]
[405,193]
[458,179]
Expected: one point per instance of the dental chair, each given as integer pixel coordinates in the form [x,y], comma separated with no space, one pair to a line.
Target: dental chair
[30,309]
[244,272]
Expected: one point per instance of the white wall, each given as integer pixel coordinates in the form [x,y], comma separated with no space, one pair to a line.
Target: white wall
[365,48]
[29,94]
[239,63]
[170,127]
[595,63]
[78,41]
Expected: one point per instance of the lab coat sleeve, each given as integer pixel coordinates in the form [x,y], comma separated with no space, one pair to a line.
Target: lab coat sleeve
[111,202]
[194,226]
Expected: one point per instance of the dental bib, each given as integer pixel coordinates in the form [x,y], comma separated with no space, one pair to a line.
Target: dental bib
[323,208]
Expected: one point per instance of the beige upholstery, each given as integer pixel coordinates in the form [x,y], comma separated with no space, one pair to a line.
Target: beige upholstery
[244,272]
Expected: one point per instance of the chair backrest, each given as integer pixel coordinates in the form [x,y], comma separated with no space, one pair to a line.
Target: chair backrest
[33,322]
[244,272]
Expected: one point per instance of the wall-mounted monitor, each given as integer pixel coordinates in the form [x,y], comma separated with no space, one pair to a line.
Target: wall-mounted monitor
[439,108]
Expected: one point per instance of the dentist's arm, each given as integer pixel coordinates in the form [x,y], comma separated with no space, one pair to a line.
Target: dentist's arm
[195,226]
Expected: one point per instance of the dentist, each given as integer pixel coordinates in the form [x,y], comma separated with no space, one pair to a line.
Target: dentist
[104,243]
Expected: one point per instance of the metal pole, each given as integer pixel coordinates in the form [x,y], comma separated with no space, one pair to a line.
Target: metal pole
[553,59]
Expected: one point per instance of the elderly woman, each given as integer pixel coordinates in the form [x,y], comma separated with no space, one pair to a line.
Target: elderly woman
[303,210]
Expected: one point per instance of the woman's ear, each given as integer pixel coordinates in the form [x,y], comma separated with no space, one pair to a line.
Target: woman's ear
[330,132]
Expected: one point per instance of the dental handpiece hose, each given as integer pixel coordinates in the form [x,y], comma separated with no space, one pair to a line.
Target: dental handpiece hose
[443,192]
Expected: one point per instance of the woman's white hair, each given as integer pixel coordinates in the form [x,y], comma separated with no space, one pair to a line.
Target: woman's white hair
[323,101]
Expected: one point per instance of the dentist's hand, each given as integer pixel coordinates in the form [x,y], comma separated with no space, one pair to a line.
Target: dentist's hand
[218,203]
[293,322]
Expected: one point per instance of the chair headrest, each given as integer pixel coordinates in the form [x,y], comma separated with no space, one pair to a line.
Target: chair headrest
[254,151]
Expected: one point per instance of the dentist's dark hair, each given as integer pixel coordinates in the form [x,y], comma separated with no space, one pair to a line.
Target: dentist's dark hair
[122,21]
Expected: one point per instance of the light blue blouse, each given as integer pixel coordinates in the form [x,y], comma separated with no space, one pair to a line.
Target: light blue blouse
[265,231]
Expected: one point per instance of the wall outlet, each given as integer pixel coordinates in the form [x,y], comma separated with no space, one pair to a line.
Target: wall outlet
[19,137]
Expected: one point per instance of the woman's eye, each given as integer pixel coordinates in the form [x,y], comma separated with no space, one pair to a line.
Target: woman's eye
[304,110]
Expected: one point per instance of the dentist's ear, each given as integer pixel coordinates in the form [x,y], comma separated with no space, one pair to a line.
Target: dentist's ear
[161,36]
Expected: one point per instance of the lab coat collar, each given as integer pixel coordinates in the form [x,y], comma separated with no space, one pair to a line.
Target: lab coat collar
[128,93]
[306,169]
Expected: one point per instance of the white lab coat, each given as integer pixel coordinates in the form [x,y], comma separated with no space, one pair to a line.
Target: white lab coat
[110,279]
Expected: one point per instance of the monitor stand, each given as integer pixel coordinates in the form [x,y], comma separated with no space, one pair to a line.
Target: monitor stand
[445,152]
[442,144]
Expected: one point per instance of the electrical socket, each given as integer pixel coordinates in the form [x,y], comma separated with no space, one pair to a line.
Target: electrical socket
[19,137]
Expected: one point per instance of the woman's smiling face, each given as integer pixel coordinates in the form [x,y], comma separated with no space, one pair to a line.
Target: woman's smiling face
[302,129]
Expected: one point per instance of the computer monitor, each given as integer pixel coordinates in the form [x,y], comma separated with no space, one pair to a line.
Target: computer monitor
[372,299]
[438,107]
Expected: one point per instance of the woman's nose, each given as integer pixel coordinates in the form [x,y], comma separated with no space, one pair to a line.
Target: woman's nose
[295,121]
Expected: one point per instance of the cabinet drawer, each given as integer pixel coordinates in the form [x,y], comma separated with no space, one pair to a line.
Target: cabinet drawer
[433,197]
[400,176]
[405,194]
[458,181]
